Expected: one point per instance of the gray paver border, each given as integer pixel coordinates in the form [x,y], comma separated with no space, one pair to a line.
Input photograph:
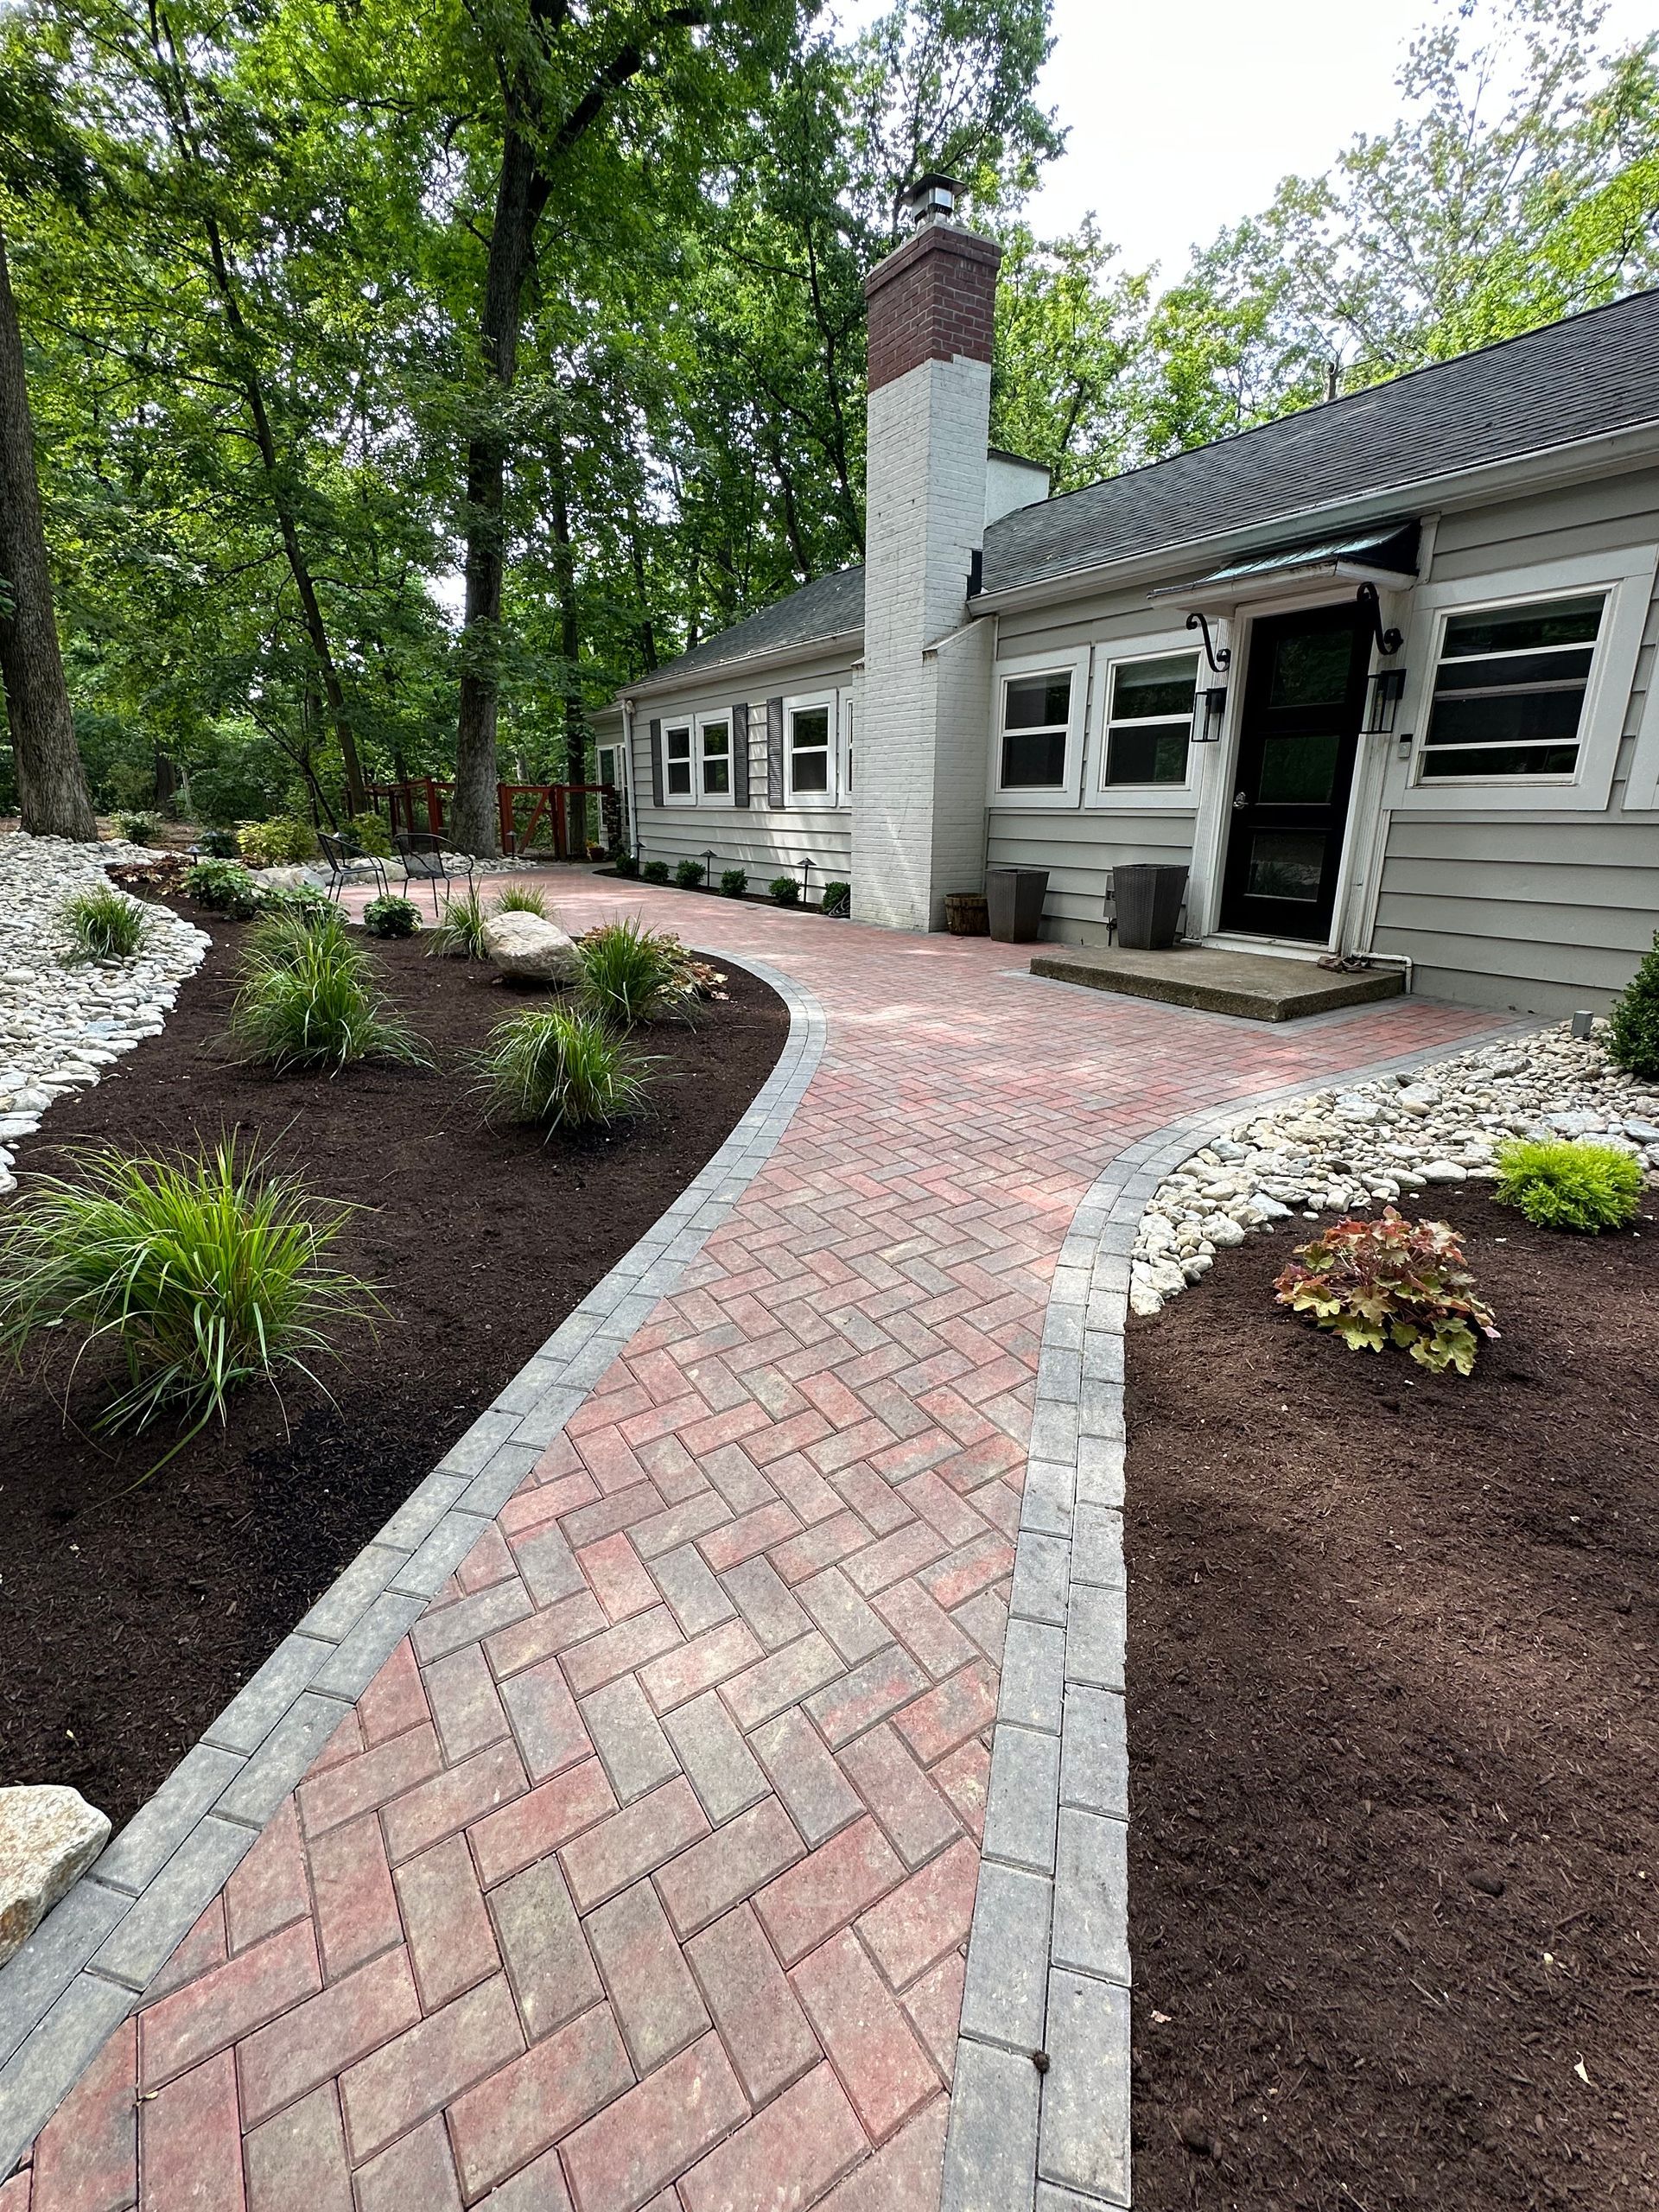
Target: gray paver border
[85,1967]
[1048,1955]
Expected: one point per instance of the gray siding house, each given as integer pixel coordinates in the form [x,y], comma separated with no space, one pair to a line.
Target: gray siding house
[1381,674]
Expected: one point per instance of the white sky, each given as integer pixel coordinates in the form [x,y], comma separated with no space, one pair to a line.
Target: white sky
[1183,114]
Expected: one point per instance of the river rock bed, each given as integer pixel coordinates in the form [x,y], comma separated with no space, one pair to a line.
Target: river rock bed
[1378,1143]
[62,1024]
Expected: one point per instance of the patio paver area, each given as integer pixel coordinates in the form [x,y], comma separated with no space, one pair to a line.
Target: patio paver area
[641,1875]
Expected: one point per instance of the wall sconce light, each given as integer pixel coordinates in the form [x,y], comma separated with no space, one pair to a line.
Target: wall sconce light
[1387,689]
[1213,712]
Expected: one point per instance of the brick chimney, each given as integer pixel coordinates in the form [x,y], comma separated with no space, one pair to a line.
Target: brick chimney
[919,795]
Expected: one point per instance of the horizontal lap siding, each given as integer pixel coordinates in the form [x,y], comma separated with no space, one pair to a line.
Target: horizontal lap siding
[762,841]
[1080,850]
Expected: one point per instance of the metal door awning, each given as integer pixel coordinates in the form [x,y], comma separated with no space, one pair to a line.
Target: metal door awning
[1385,555]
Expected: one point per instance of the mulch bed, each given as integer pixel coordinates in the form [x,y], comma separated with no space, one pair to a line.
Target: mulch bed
[1394,1834]
[127,1621]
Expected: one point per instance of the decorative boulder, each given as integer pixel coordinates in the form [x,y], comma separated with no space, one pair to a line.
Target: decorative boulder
[48,1837]
[529,948]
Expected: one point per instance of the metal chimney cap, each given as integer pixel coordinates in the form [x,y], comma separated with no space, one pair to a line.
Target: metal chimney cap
[932,198]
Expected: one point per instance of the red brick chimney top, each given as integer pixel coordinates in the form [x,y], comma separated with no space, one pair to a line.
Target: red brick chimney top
[933,299]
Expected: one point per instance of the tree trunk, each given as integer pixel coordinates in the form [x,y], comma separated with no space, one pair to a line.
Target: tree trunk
[564,572]
[51,781]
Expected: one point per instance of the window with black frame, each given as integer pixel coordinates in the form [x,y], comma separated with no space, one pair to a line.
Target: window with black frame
[1149,719]
[1509,689]
[1036,722]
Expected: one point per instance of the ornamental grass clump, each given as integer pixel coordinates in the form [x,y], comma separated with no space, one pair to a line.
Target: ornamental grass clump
[1392,1281]
[523,898]
[104,924]
[458,934]
[206,1273]
[282,934]
[629,973]
[1561,1185]
[1633,1027]
[561,1069]
[316,1008]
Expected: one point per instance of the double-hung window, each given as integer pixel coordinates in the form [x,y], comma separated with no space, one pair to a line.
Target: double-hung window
[1509,689]
[1036,723]
[1149,720]
[809,753]
[714,749]
[678,788]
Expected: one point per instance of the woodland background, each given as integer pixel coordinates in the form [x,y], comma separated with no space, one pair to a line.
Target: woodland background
[405,375]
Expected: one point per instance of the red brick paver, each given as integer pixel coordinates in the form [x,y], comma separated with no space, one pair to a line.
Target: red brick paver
[641,1879]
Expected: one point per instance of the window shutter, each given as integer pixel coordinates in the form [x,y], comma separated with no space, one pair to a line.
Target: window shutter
[656,764]
[740,756]
[774,752]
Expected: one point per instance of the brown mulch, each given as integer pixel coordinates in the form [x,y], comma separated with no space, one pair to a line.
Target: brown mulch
[1395,1831]
[127,1621]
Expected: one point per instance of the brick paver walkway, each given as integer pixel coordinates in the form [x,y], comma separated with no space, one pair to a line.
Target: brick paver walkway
[642,1874]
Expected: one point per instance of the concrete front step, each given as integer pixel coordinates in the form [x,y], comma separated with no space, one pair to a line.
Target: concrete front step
[1259,986]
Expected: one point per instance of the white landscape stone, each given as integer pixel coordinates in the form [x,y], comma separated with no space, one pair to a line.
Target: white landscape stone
[48,1837]
[529,948]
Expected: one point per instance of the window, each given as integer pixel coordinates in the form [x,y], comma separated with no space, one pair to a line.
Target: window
[1036,722]
[676,764]
[715,736]
[1509,689]
[1149,719]
[810,730]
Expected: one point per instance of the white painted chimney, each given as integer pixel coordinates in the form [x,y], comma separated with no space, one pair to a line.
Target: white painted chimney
[918,802]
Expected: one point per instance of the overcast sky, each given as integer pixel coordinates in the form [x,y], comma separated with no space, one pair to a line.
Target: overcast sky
[1183,114]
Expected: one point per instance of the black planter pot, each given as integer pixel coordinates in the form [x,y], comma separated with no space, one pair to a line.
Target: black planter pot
[1014,897]
[1148,906]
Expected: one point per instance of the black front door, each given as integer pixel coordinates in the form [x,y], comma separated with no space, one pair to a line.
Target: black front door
[1303,699]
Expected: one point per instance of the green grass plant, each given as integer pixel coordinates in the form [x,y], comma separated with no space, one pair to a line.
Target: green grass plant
[316,1007]
[282,934]
[458,934]
[208,1272]
[561,1068]
[523,898]
[630,973]
[104,924]
[1558,1185]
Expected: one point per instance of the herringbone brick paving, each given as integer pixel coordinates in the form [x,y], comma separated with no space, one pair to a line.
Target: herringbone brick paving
[639,1880]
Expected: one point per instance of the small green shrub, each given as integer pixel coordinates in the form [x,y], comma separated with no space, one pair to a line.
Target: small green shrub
[627,864]
[371,832]
[654,871]
[104,924]
[733,883]
[561,1069]
[217,844]
[303,900]
[317,1008]
[838,898]
[1391,1280]
[523,898]
[1562,1186]
[785,890]
[140,829]
[1633,1033]
[689,873]
[207,1272]
[284,842]
[391,917]
[458,933]
[224,886]
[630,973]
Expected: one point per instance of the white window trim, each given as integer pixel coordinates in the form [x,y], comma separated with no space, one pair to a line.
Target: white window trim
[689,723]
[1099,796]
[719,800]
[812,801]
[1020,798]
[1627,577]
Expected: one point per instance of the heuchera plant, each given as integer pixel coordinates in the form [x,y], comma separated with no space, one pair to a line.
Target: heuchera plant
[1374,1282]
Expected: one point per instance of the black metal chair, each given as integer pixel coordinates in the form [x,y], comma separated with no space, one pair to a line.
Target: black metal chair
[340,853]
[425,860]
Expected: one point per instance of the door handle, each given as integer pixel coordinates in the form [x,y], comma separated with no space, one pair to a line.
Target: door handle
[1241,800]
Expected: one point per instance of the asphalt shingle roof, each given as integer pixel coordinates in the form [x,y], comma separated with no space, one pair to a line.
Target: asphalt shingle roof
[1594,373]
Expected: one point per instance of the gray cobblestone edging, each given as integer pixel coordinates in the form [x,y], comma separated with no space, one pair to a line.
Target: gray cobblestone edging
[85,1967]
[1048,1957]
